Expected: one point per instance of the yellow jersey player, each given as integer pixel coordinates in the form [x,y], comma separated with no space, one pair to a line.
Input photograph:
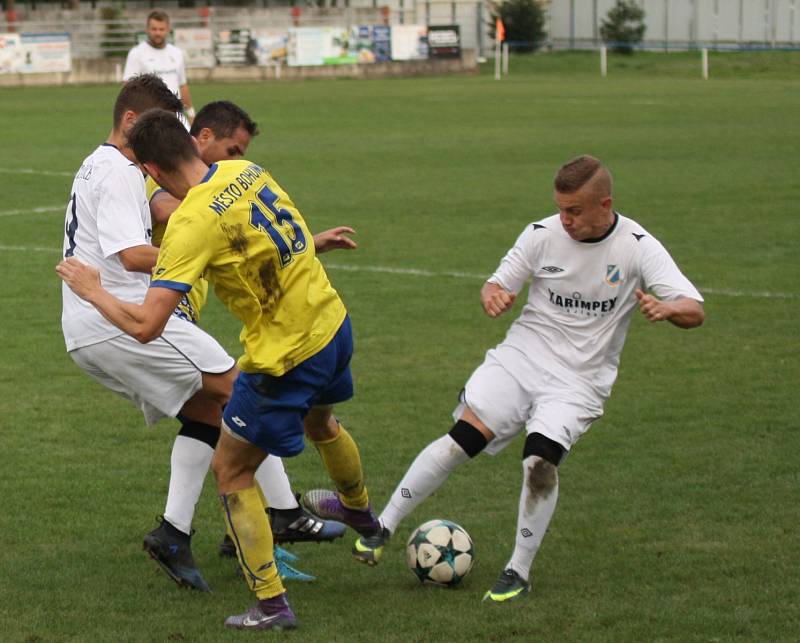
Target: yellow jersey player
[223,131]
[239,228]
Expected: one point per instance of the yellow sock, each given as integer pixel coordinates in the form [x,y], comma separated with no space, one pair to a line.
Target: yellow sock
[249,528]
[341,459]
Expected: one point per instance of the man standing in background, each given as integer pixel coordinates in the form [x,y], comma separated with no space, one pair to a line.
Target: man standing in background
[156,56]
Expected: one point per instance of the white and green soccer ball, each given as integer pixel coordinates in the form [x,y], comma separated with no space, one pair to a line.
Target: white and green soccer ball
[440,552]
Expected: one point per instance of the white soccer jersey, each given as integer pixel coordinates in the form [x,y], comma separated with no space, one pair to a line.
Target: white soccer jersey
[167,63]
[107,212]
[582,295]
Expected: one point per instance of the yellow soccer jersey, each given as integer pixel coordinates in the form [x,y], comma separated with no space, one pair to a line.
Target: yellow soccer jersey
[240,229]
[192,303]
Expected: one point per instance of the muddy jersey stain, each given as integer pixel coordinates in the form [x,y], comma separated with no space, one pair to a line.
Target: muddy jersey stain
[236,238]
[268,277]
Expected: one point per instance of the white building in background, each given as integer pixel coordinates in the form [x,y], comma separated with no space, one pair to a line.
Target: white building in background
[683,23]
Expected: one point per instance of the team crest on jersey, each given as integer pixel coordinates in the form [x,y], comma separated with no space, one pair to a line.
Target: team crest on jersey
[613,275]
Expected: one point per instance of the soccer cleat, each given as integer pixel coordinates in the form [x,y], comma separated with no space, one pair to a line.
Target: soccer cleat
[368,549]
[282,560]
[291,526]
[509,586]
[297,525]
[285,556]
[287,572]
[327,504]
[270,614]
[228,550]
[172,550]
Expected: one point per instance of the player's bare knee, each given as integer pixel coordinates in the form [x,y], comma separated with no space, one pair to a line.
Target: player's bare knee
[227,471]
[320,424]
[471,440]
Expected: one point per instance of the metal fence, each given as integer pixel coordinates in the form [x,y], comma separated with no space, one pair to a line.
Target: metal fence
[573,24]
[94,37]
[683,24]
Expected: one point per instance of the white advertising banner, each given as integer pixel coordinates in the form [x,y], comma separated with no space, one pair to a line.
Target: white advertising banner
[337,46]
[10,53]
[409,42]
[45,52]
[198,47]
[269,46]
[306,46]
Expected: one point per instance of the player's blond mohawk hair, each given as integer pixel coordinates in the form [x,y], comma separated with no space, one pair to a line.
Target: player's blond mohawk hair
[574,174]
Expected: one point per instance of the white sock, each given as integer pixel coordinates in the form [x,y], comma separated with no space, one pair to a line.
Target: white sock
[425,475]
[189,465]
[537,502]
[274,483]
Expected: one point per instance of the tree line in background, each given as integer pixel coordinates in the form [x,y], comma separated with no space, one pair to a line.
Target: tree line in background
[524,21]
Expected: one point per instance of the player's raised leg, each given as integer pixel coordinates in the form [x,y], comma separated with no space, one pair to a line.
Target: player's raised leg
[468,437]
[350,502]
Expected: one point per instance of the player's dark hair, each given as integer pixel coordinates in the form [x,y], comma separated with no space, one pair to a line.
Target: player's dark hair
[144,92]
[574,174]
[158,15]
[158,137]
[223,118]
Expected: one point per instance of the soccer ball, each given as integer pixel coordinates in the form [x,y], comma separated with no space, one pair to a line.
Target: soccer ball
[440,552]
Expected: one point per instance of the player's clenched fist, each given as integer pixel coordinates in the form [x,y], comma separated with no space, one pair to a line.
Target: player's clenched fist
[495,299]
[652,308]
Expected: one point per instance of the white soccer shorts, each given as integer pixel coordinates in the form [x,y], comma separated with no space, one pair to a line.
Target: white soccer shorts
[508,394]
[158,377]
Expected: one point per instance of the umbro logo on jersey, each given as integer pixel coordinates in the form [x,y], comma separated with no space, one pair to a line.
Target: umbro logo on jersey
[239,421]
[552,269]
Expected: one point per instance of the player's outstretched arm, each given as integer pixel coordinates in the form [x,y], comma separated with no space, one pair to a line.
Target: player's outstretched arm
[495,299]
[143,322]
[683,312]
[334,239]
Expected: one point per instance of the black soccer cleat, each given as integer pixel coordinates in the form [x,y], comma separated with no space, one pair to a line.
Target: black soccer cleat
[299,526]
[509,587]
[172,550]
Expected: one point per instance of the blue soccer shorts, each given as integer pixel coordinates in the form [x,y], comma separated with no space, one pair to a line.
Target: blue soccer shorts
[268,410]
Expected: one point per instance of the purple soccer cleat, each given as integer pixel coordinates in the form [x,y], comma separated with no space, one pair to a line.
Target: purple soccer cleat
[327,504]
[270,614]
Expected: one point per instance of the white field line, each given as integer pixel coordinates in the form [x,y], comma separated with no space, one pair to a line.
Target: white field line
[417,272]
[40,210]
[28,249]
[26,170]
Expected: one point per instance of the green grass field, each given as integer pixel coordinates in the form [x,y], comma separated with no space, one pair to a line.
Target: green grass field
[679,511]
